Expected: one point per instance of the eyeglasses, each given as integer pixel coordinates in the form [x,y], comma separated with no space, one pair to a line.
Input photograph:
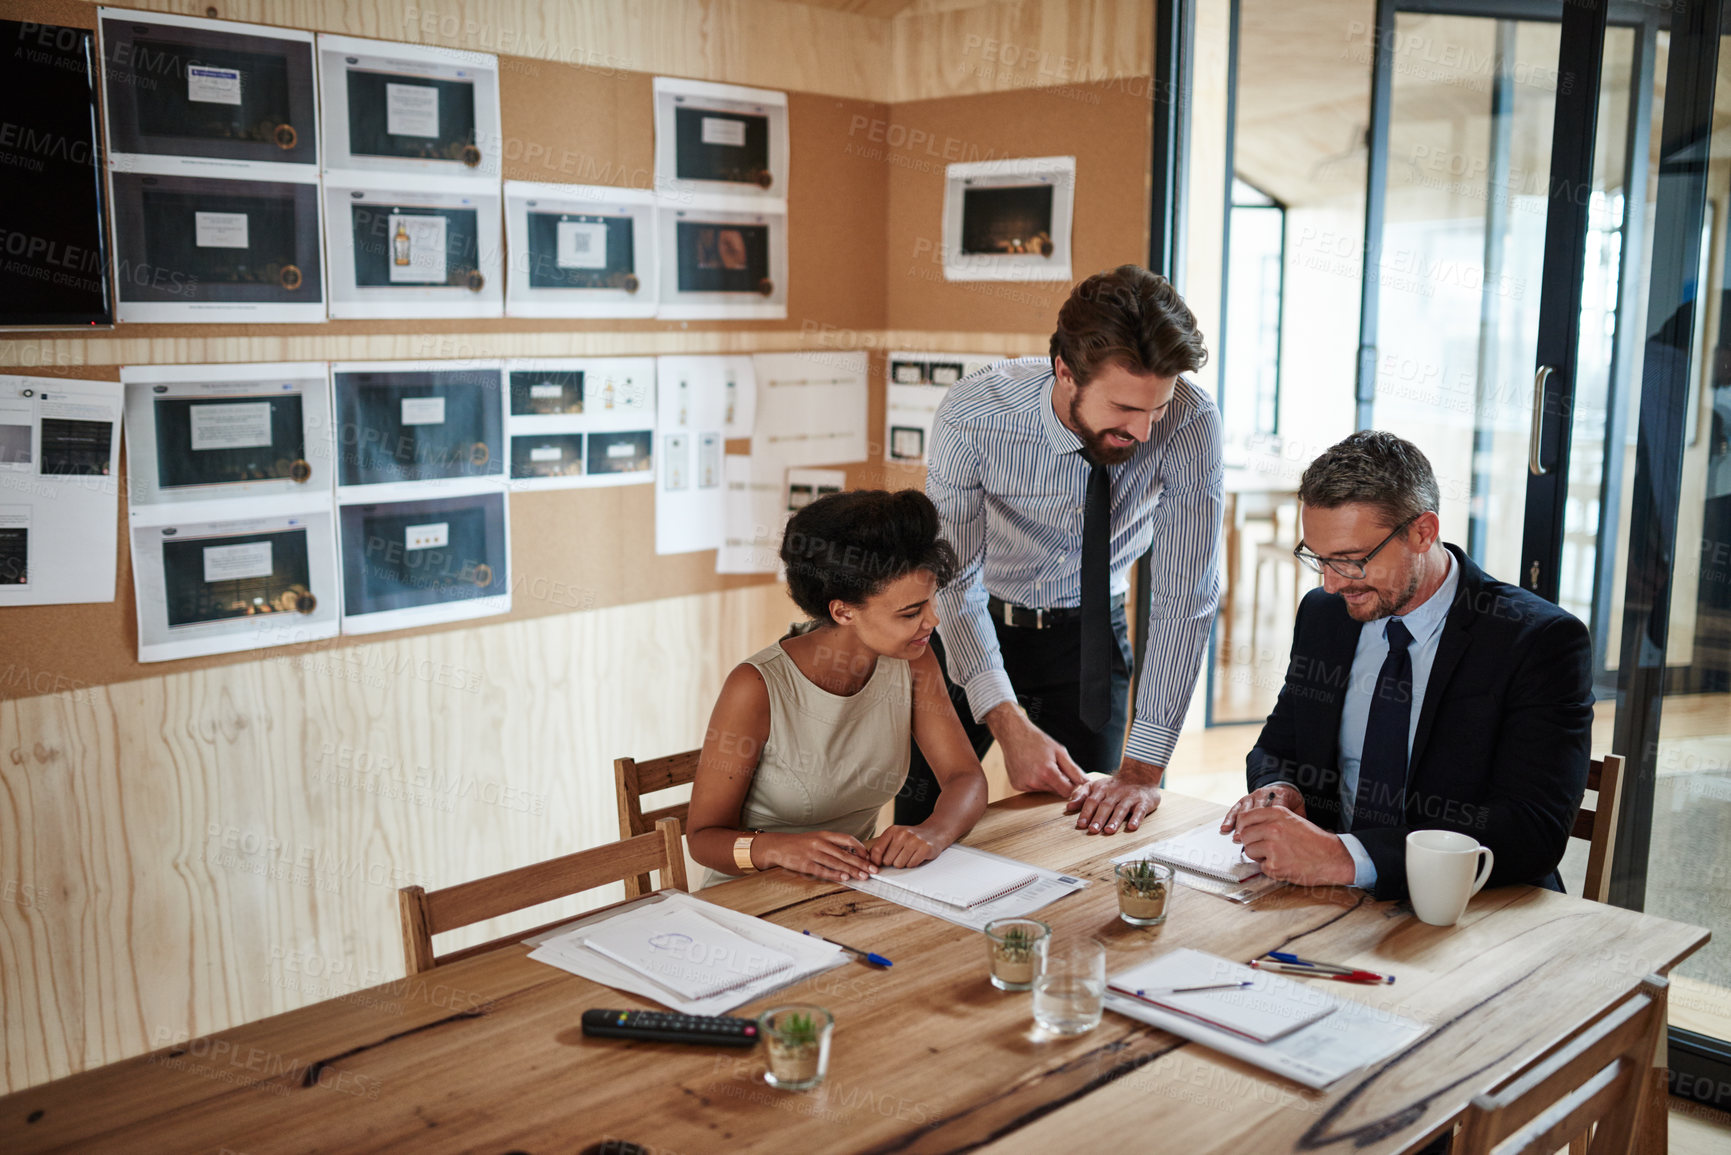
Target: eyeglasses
[1351,568]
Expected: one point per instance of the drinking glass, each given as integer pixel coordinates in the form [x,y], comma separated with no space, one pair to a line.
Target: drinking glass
[1070,990]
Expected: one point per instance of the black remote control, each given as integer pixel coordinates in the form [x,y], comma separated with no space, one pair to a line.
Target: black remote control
[667,1027]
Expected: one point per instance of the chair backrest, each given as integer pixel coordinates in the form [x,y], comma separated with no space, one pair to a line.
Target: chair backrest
[426,914]
[1593,1079]
[1599,825]
[632,780]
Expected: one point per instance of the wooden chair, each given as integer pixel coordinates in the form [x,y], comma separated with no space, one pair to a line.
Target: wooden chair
[1599,825]
[1596,1078]
[427,914]
[632,780]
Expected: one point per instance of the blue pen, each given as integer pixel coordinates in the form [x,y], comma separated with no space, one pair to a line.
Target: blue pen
[1322,967]
[863,955]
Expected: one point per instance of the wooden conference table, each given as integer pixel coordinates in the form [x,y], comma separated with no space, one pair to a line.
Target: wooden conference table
[486,1054]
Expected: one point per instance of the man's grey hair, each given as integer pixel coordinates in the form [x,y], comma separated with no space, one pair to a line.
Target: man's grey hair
[1376,469]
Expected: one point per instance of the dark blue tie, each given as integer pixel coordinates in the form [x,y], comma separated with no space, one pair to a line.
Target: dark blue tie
[1381,799]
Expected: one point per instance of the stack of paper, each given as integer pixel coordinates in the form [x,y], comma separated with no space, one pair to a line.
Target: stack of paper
[574,947]
[961,877]
[685,951]
[1318,1038]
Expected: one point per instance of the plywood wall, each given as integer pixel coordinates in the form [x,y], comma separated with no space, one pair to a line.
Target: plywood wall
[187,847]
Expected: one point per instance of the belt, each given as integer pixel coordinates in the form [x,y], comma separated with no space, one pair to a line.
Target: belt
[1024,617]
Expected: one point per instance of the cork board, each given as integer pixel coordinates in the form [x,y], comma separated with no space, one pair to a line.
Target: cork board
[850,279]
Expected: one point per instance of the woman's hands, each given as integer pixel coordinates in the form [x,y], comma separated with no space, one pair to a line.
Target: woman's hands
[824,854]
[906,846]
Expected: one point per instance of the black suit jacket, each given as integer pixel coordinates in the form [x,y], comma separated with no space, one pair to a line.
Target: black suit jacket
[1503,734]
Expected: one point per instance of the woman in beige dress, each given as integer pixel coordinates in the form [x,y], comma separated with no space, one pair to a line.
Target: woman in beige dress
[809,738]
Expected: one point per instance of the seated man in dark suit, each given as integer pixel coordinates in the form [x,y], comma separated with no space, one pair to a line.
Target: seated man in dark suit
[1421,694]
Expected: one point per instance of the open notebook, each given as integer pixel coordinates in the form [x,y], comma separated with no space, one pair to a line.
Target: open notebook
[1204,851]
[691,955]
[960,877]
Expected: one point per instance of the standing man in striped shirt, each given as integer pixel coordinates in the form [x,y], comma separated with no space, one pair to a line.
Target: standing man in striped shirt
[1051,478]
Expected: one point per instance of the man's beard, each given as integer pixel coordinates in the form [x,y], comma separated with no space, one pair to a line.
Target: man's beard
[1386,606]
[1094,444]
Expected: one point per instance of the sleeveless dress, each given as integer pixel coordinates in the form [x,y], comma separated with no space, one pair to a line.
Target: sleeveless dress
[830,762]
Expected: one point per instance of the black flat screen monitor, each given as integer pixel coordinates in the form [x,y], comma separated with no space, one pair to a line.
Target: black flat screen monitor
[54,270]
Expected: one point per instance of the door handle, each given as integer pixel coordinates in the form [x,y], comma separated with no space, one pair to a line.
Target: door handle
[1535,438]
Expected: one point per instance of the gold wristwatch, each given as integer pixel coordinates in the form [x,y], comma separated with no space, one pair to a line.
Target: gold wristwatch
[742,851]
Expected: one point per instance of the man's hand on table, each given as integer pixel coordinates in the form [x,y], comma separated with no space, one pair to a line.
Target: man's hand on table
[1103,805]
[1034,759]
[1291,848]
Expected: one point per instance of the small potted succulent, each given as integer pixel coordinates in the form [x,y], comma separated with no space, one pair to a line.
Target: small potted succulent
[798,1040]
[1144,888]
[1015,947]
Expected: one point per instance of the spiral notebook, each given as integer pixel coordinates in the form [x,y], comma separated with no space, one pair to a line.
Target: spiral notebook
[960,877]
[1203,851]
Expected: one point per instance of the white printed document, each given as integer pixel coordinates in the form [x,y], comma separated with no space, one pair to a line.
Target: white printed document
[564,947]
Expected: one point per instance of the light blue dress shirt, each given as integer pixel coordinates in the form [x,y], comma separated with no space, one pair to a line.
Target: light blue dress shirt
[1425,623]
[1009,483]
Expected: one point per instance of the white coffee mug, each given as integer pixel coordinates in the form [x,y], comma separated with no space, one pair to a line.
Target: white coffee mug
[1440,873]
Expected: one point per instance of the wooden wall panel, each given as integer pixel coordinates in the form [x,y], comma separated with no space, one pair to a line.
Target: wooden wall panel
[191,851]
[967,49]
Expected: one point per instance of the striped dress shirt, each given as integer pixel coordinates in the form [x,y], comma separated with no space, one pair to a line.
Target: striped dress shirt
[1009,482]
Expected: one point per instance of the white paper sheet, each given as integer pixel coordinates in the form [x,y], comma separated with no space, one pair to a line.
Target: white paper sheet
[59,493]
[411,110]
[974,251]
[384,261]
[561,947]
[220,230]
[212,585]
[580,422]
[417,249]
[1045,890]
[628,291]
[691,420]
[672,94]
[811,408]
[208,85]
[918,384]
[198,433]
[755,514]
[580,245]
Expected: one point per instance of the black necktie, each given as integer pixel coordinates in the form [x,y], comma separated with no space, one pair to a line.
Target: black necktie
[1381,799]
[1095,706]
